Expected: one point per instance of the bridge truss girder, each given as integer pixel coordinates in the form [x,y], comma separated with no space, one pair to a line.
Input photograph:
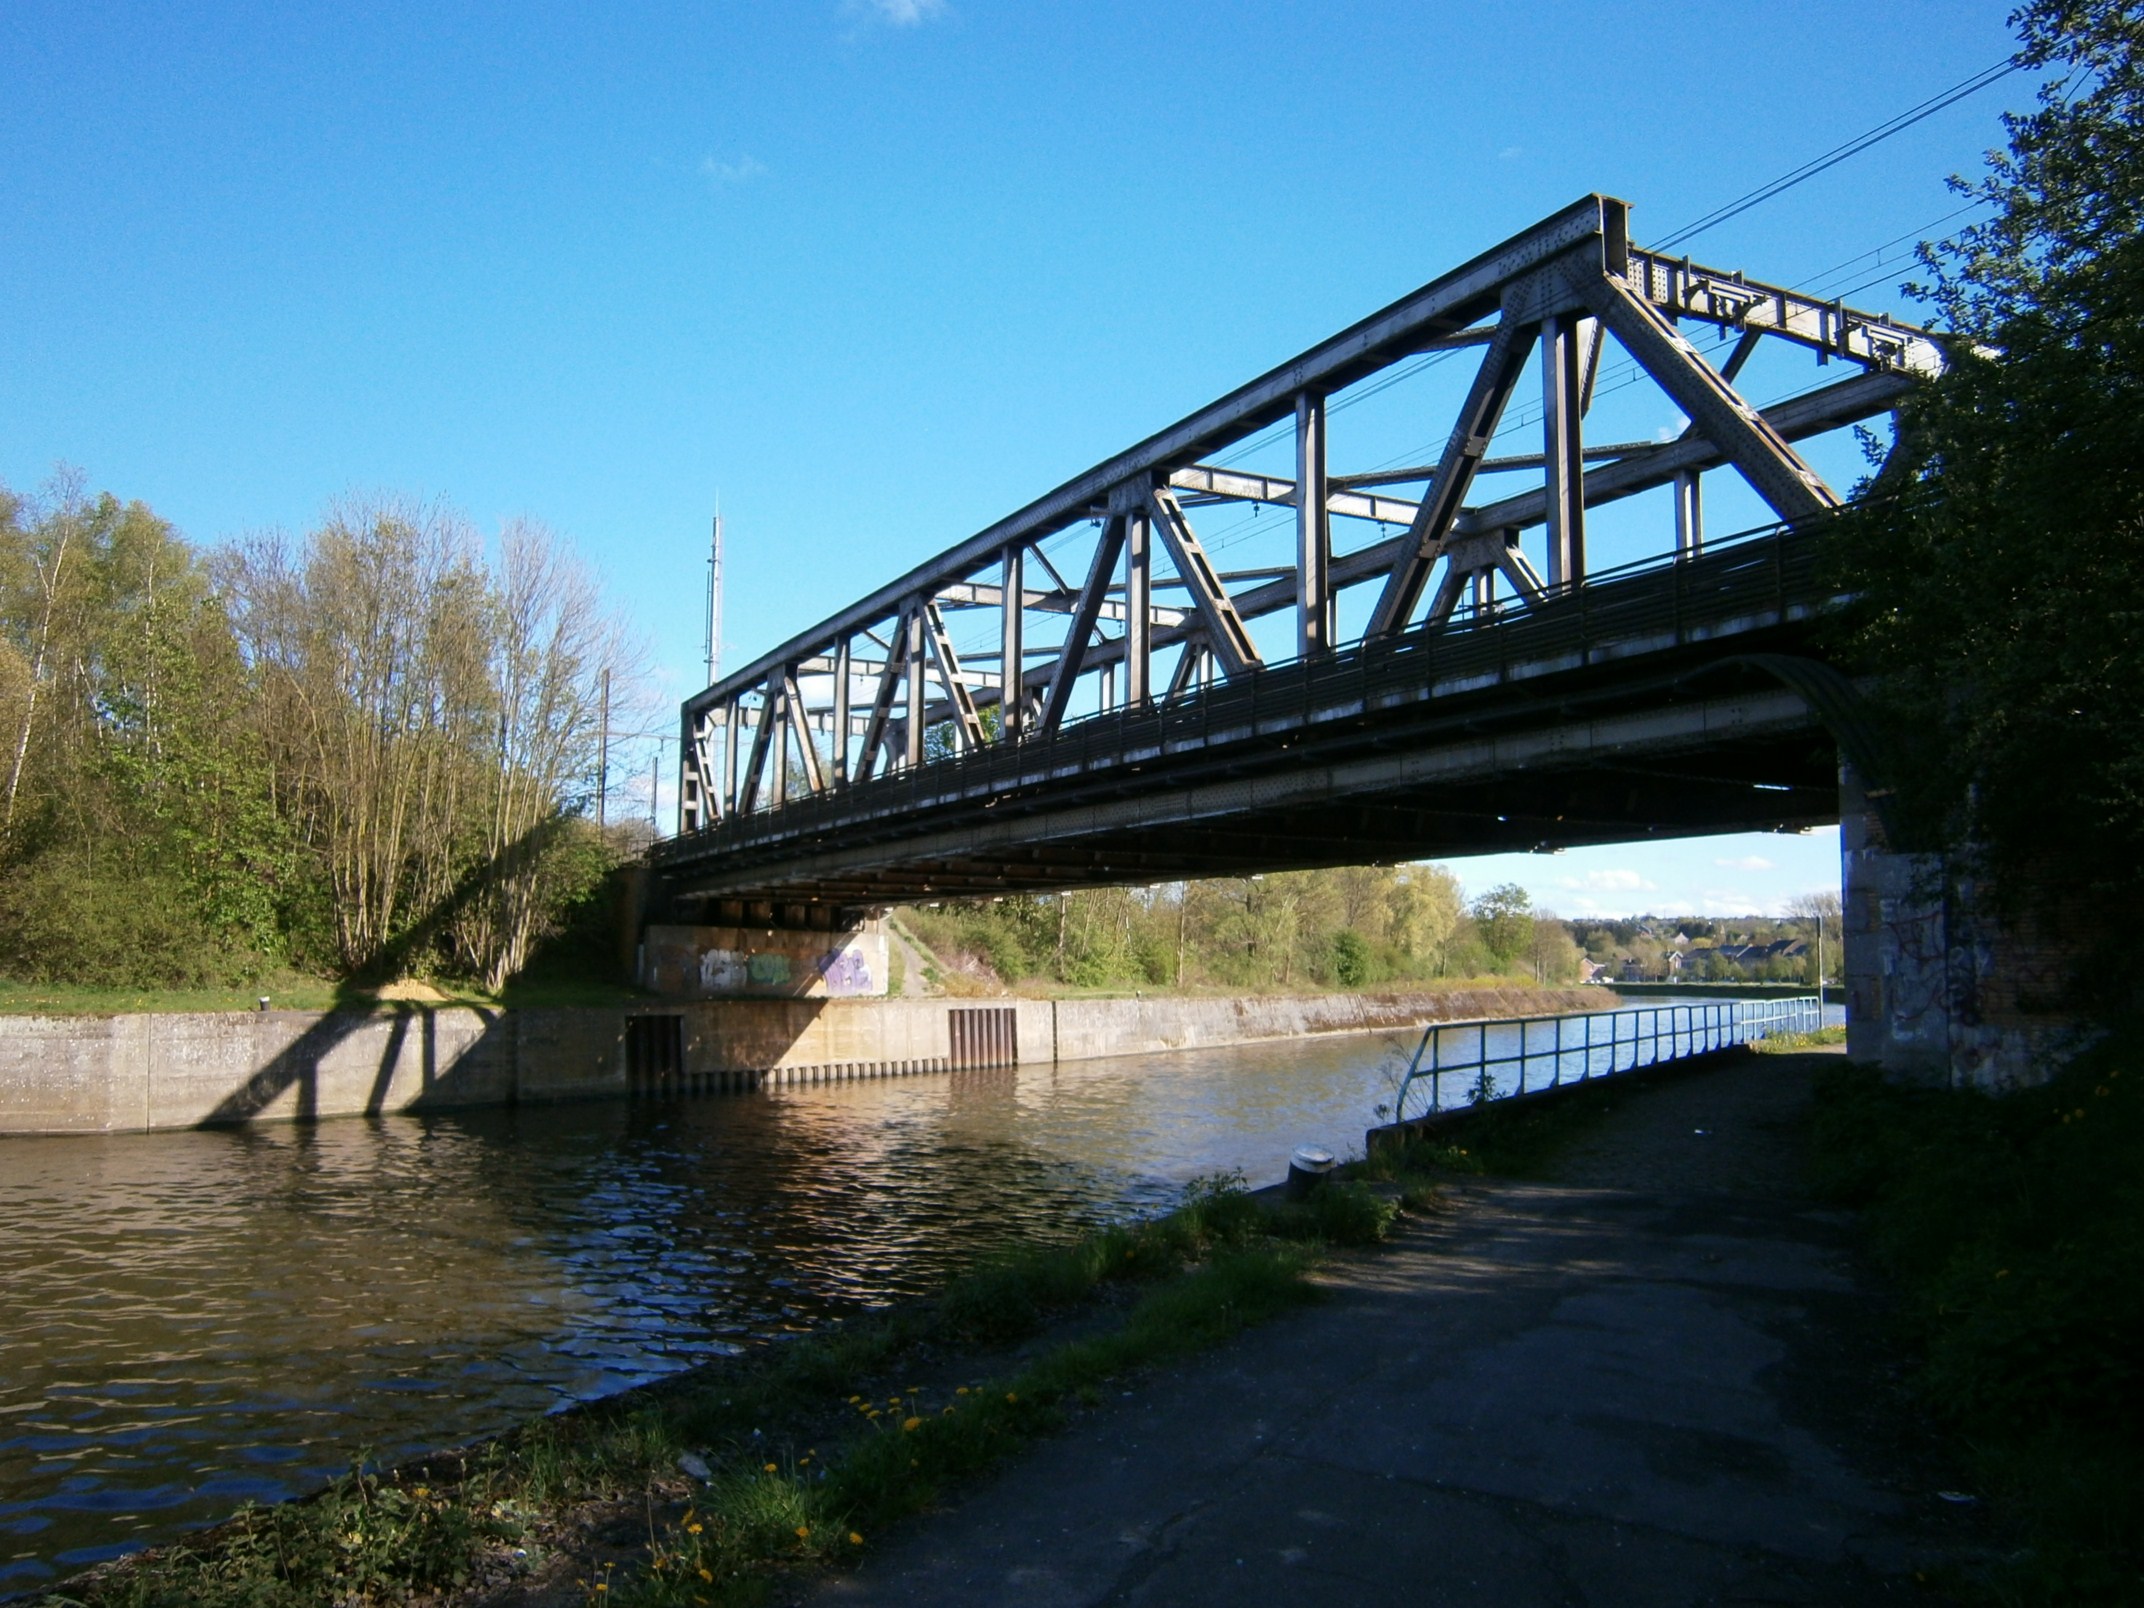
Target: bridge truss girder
[877,691]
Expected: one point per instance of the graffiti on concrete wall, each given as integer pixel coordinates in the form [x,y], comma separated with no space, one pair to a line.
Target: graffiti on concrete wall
[734,963]
[847,972]
[723,971]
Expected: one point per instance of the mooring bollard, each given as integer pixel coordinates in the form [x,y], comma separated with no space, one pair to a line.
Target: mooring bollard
[1307,1167]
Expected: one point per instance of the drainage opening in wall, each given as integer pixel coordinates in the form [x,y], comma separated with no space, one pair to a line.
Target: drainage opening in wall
[654,1047]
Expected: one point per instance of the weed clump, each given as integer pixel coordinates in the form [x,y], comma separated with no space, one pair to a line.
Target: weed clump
[1337,1212]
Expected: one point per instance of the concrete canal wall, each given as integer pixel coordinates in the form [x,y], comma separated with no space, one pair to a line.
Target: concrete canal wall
[102,1074]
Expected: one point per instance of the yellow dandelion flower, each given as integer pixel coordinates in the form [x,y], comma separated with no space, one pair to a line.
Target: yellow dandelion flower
[803,1532]
[704,1575]
[855,1540]
[770,1468]
[1009,1396]
[908,1424]
[962,1391]
[853,1400]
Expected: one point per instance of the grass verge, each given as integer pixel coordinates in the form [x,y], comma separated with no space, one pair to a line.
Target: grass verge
[2014,1227]
[292,991]
[1796,1043]
[713,1488]
[288,991]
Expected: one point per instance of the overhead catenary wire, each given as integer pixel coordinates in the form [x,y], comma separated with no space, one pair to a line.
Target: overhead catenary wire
[1840,153]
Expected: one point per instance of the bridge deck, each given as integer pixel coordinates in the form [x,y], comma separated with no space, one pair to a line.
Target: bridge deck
[1641,695]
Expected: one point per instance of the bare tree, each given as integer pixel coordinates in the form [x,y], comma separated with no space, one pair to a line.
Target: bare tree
[373,642]
[551,642]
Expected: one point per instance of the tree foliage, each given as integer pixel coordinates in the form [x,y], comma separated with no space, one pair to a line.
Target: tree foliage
[1504,917]
[1354,927]
[138,837]
[364,752]
[2000,587]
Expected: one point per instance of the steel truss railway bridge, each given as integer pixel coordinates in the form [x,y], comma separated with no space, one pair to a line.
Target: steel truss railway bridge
[1126,728]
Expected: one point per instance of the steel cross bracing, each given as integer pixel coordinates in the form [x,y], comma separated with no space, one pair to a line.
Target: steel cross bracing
[879,689]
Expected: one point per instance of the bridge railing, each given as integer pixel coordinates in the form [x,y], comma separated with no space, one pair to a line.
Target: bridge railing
[1468,1063]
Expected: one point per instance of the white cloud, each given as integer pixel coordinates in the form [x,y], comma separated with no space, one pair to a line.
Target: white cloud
[1745,862]
[722,174]
[1511,153]
[1611,880]
[896,13]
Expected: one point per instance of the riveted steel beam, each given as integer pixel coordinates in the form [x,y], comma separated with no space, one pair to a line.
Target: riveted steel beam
[1222,628]
[1760,453]
[1420,548]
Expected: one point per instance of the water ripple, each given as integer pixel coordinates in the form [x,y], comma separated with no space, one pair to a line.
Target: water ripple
[193,1320]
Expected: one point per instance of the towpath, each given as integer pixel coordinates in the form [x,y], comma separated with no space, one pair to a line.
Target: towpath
[1649,1381]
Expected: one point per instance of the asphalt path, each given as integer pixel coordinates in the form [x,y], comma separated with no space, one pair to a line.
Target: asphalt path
[1651,1379]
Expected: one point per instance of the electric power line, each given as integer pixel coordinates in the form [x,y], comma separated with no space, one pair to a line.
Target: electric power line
[1839,153]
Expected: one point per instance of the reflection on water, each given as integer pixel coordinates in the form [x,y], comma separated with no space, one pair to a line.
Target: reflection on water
[188,1320]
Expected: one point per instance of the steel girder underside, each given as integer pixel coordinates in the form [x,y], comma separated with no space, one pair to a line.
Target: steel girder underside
[1124,727]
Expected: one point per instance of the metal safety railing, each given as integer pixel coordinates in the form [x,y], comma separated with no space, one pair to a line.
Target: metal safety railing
[1521,1054]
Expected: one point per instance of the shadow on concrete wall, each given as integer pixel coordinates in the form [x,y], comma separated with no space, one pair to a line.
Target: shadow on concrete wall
[483,1069]
[299,1065]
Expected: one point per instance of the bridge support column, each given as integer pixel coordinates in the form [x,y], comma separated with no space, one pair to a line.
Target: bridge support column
[1937,989]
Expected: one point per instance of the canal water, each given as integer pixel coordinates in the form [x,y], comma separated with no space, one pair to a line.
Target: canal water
[192,1320]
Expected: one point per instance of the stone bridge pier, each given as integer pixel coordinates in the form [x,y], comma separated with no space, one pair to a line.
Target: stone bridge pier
[1939,990]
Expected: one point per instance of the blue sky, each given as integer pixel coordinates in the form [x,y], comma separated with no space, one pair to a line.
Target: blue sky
[875,271]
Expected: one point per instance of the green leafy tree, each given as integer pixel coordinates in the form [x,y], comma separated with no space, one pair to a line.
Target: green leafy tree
[1504,919]
[1426,906]
[1351,958]
[2002,588]
[139,841]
